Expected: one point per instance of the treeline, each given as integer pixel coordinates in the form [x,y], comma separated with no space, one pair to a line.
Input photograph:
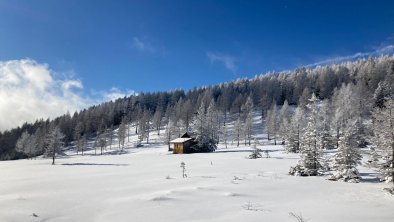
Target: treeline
[177,109]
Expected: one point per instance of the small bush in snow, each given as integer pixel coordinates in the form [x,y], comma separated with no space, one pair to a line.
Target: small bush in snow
[347,175]
[298,217]
[255,154]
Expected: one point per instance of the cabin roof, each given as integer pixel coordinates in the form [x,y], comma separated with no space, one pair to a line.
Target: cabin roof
[186,135]
[180,140]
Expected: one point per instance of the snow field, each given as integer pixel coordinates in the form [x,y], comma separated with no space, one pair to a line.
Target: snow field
[146,184]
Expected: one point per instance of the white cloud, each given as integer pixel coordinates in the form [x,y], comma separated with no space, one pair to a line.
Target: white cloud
[141,45]
[115,93]
[382,50]
[228,61]
[28,91]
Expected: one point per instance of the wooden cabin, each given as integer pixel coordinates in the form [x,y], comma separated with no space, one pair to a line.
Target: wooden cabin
[182,144]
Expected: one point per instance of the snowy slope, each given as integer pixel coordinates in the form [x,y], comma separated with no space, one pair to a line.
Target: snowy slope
[146,184]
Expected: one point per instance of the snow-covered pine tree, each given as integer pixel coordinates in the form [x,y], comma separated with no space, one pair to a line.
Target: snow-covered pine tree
[247,111]
[81,144]
[55,143]
[41,142]
[206,142]
[310,163]
[102,142]
[272,123]
[255,152]
[284,121]
[326,140]
[383,138]
[122,134]
[22,143]
[295,131]
[27,145]
[348,156]
[110,135]
[211,120]
[157,119]
[248,128]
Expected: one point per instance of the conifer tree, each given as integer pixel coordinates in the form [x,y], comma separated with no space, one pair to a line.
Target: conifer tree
[293,136]
[122,134]
[383,138]
[348,157]
[284,121]
[55,143]
[310,163]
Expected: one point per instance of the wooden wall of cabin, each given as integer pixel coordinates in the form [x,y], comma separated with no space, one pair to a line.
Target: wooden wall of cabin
[178,147]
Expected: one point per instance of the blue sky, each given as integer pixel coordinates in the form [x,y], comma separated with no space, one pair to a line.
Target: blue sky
[162,45]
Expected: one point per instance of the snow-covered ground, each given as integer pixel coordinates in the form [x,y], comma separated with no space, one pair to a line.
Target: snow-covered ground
[146,184]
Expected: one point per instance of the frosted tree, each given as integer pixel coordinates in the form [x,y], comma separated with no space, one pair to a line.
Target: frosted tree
[347,106]
[26,144]
[81,144]
[238,130]
[310,162]
[248,128]
[40,139]
[348,156]
[110,135]
[272,123]
[211,120]
[383,138]
[247,111]
[255,152]
[326,141]
[157,119]
[21,144]
[200,121]
[170,131]
[55,143]
[102,142]
[144,126]
[293,136]
[122,134]
[206,142]
[284,121]
[225,135]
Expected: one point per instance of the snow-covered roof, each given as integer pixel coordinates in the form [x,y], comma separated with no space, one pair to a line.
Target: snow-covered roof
[180,140]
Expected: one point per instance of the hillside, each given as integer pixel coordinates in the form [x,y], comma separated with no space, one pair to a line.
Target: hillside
[146,184]
[371,77]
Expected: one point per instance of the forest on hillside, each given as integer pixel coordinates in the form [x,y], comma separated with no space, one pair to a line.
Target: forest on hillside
[342,106]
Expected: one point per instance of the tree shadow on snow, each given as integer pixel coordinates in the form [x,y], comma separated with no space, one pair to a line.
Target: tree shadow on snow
[370,178]
[93,164]
[233,151]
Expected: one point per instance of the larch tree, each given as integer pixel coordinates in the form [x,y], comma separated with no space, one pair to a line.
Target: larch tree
[310,162]
[157,119]
[55,143]
[206,141]
[81,144]
[284,122]
[247,111]
[272,123]
[102,142]
[348,156]
[238,130]
[169,133]
[26,144]
[122,134]
[293,136]
[383,138]
[326,139]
